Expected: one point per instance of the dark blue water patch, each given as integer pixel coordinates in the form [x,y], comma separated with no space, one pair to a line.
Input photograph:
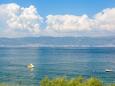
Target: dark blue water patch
[55,62]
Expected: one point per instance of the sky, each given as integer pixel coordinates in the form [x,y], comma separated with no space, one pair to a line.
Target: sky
[20,18]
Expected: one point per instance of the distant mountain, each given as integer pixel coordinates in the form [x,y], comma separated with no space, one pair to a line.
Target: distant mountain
[58,42]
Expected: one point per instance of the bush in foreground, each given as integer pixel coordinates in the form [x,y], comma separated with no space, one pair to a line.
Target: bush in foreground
[64,81]
[79,81]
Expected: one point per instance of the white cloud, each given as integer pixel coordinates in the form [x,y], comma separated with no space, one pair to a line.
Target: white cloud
[69,23]
[105,20]
[102,21]
[23,21]
[18,19]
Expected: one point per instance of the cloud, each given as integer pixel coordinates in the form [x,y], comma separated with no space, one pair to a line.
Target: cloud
[101,22]
[105,20]
[26,21]
[16,19]
[69,23]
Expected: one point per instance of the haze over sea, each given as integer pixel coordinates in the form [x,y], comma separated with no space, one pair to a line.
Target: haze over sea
[54,62]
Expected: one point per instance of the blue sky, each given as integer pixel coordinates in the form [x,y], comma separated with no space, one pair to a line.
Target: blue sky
[57,17]
[76,7]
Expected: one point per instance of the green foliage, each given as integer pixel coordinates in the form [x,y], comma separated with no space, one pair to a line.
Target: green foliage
[112,84]
[93,82]
[6,84]
[3,84]
[63,81]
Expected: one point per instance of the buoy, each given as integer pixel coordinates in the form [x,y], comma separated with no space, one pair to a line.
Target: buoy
[30,66]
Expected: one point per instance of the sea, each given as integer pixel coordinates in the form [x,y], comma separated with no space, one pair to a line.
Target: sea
[54,62]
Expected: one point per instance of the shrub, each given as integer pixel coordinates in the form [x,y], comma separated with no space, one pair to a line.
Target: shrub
[93,82]
[63,81]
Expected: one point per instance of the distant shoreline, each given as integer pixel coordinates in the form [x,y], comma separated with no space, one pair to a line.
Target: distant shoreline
[57,47]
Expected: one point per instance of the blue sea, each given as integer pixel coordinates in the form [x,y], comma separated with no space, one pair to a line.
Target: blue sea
[54,62]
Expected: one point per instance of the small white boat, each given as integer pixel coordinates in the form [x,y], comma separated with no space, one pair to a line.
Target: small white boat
[30,66]
[108,70]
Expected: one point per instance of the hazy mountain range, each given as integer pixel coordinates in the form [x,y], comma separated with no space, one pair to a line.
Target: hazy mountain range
[58,42]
